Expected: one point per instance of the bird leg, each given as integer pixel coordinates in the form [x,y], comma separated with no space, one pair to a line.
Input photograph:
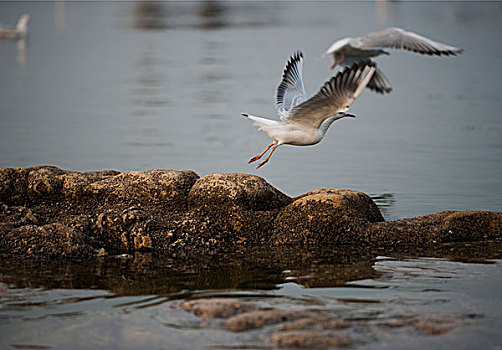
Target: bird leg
[334,63]
[261,154]
[268,157]
[342,57]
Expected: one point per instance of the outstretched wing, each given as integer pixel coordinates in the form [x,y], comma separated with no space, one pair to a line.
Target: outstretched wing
[290,91]
[397,38]
[334,97]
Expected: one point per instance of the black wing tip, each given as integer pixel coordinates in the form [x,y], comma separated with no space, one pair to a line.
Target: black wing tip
[298,54]
[378,90]
[452,52]
[295,57]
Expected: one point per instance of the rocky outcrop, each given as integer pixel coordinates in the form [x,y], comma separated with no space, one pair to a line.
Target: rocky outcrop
[47,211]
[442,227]
[326,216]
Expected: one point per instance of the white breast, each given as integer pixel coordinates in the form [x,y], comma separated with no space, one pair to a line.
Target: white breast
[292,134]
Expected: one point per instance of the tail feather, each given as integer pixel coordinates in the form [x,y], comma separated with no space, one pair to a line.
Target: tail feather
[259,121]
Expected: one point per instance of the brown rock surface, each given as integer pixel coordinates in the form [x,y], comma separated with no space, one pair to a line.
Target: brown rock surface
[355,200]
[20,185]
[52,240]
[231,190]
[172,210]
[326,216]
[75,184]
[236,208]
[169,187]
[445,226]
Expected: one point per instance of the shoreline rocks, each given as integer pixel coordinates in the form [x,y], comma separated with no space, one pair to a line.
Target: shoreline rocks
[49,212]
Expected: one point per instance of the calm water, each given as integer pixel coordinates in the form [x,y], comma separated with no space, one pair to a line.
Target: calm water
[135,86]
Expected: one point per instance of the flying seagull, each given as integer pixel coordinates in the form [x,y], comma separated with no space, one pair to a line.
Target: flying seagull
[349,50]
[16,33]
[305,122]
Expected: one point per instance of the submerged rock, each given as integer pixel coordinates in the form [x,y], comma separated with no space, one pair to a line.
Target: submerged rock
[47,211]
[310,339]
[310,326]
[259,318]
[313,322]
[217,307]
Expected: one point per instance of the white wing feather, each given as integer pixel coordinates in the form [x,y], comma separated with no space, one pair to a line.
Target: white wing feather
[290,91]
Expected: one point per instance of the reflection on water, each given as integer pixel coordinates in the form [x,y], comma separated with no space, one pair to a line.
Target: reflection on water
[377,294]
[212,14]
[59,14]
[22,45]
[147,273]
[150,91]
[205,15]
[385,203]
[150,15]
